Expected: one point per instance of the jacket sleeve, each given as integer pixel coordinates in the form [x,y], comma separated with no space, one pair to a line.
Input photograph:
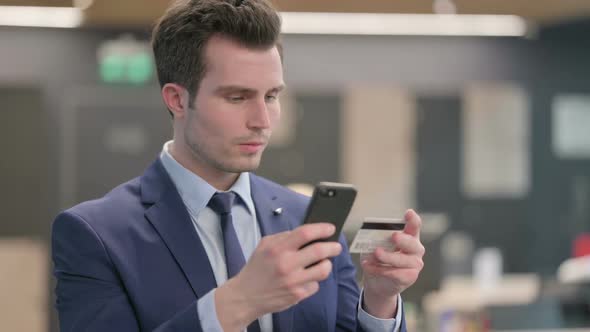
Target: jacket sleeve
[89,293]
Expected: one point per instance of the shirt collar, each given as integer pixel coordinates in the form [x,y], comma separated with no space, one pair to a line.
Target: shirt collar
[194,190]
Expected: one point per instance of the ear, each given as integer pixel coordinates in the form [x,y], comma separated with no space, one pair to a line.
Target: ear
[176,98]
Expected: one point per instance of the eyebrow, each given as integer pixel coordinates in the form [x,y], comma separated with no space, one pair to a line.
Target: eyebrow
[237,88]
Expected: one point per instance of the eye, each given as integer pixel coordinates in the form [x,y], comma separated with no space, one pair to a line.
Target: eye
[270,98]
[235,99]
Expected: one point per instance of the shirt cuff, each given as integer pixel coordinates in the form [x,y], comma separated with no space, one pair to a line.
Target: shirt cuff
[373,324]
[207,313]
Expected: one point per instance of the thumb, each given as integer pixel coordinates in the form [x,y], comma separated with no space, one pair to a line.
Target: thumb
[413,223]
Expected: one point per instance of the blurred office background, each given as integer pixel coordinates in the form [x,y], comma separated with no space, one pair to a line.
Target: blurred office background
[481,123]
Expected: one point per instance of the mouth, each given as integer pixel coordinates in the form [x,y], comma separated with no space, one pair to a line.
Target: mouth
[252,146]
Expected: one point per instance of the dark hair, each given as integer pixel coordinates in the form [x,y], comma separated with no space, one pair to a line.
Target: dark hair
[181,34]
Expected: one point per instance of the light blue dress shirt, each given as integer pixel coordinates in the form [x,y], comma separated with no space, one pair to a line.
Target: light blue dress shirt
[196,193]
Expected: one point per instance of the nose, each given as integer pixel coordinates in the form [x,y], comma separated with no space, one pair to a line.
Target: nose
[258,116]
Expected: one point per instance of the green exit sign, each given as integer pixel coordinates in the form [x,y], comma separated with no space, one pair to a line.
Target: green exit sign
[126,61]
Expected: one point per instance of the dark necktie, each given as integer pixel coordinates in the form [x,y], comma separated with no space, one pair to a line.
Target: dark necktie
[221,203]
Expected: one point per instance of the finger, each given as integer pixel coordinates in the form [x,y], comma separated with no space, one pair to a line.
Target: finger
[369,258]
[413,223]
[407,244]
[317,272]
[306,290]
[275,240]
[317,252]
[304,234]
[372,259]
[404,277]
[398,259]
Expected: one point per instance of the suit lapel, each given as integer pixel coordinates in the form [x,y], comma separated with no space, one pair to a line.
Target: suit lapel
[266,202]
[170,218]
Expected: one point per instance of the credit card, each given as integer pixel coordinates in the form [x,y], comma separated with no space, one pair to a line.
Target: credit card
[376,232]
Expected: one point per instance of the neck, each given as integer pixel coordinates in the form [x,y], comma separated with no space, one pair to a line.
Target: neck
[219,179]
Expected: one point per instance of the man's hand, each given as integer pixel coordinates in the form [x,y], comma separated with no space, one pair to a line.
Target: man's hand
[278,275]
[387,274]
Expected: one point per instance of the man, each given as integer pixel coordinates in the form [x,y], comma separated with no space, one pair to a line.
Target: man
[198,243]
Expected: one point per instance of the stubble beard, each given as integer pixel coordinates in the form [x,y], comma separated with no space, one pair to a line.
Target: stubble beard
[205,157]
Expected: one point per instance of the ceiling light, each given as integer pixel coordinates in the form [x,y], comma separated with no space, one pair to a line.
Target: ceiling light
[402,24]
[50,17]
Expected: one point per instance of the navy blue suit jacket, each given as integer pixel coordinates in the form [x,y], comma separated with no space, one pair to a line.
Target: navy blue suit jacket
[133,261]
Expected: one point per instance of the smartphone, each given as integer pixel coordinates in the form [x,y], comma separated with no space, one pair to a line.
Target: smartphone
[331,202]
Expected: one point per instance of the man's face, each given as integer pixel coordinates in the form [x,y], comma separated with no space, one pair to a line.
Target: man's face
[236,107]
